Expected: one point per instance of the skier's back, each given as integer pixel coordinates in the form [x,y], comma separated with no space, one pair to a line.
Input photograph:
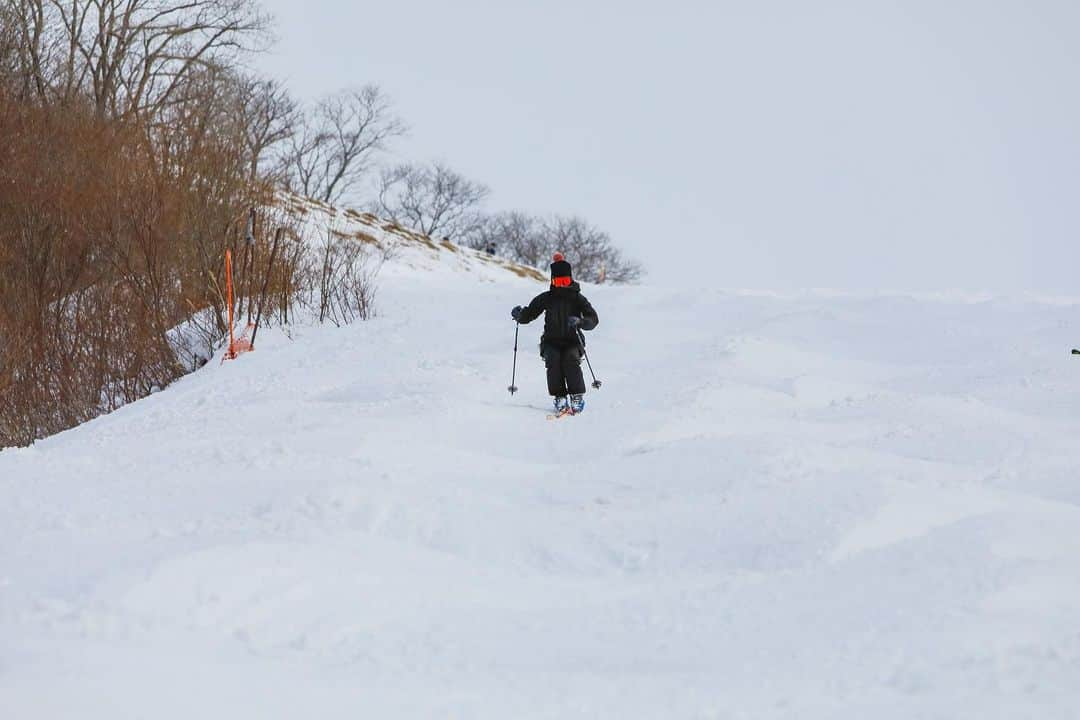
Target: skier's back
[566,311]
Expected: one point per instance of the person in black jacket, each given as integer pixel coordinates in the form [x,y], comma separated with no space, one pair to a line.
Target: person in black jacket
[566,311]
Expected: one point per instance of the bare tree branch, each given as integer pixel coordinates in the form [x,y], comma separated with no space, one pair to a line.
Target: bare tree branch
[590,250]
[128,56]
[338,144]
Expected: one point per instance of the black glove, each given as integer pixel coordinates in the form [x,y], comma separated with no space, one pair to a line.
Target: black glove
[573,321]
[516,312]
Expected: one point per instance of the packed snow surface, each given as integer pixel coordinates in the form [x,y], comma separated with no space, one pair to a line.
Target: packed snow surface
[802,506]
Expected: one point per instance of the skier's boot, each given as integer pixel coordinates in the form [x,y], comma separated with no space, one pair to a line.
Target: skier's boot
[577,403]
[561,403]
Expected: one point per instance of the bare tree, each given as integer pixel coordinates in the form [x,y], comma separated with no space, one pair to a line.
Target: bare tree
[269,115]
[515,235]
[339,142]
[435,200]
[245,118]
[9,46]
[28,46]
[128,56]
[532,241]
[201,125]
[590,250]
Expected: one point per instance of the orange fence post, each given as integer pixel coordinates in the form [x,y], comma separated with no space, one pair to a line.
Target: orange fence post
[231,353]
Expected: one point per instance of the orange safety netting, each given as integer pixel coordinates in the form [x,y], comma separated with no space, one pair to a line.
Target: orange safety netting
[237,345]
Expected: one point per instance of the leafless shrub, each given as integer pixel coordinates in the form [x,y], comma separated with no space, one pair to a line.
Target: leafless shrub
[104,250]
[591,251]
[515,235]
[294,267]
[344,279]
[532,241]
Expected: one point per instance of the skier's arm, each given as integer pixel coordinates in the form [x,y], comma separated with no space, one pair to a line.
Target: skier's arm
[589,318]
[533,310]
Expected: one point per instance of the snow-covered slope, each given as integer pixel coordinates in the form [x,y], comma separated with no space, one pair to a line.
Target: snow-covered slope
[810,506]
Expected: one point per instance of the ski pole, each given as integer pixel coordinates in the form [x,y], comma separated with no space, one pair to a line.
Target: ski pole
[595,383]
[513,376]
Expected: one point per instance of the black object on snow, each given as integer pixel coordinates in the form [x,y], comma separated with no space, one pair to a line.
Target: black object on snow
[562,344]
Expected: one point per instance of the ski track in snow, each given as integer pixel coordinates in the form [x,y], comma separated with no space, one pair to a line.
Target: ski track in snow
[812,506]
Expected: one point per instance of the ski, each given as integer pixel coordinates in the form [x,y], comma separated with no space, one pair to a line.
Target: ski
[561,414]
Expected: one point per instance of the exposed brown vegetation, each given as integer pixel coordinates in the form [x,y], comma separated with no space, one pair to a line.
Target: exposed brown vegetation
[527,272]
[106,248]
[129,163]
[366,238]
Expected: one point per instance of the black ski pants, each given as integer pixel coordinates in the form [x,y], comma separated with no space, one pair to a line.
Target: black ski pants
[564,375]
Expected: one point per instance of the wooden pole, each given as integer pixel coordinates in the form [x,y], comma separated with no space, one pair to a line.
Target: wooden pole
[266,281]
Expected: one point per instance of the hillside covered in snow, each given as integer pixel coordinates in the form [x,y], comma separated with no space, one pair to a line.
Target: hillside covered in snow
[778,506]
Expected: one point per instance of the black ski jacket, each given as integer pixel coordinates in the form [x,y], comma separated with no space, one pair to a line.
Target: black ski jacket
[558,304]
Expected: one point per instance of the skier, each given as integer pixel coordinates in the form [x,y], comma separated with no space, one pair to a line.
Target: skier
[566,313]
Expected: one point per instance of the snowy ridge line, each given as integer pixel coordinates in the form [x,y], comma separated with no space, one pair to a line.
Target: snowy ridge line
[397,243]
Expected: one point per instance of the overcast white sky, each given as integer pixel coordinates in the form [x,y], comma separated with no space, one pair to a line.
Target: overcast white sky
[857,144]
